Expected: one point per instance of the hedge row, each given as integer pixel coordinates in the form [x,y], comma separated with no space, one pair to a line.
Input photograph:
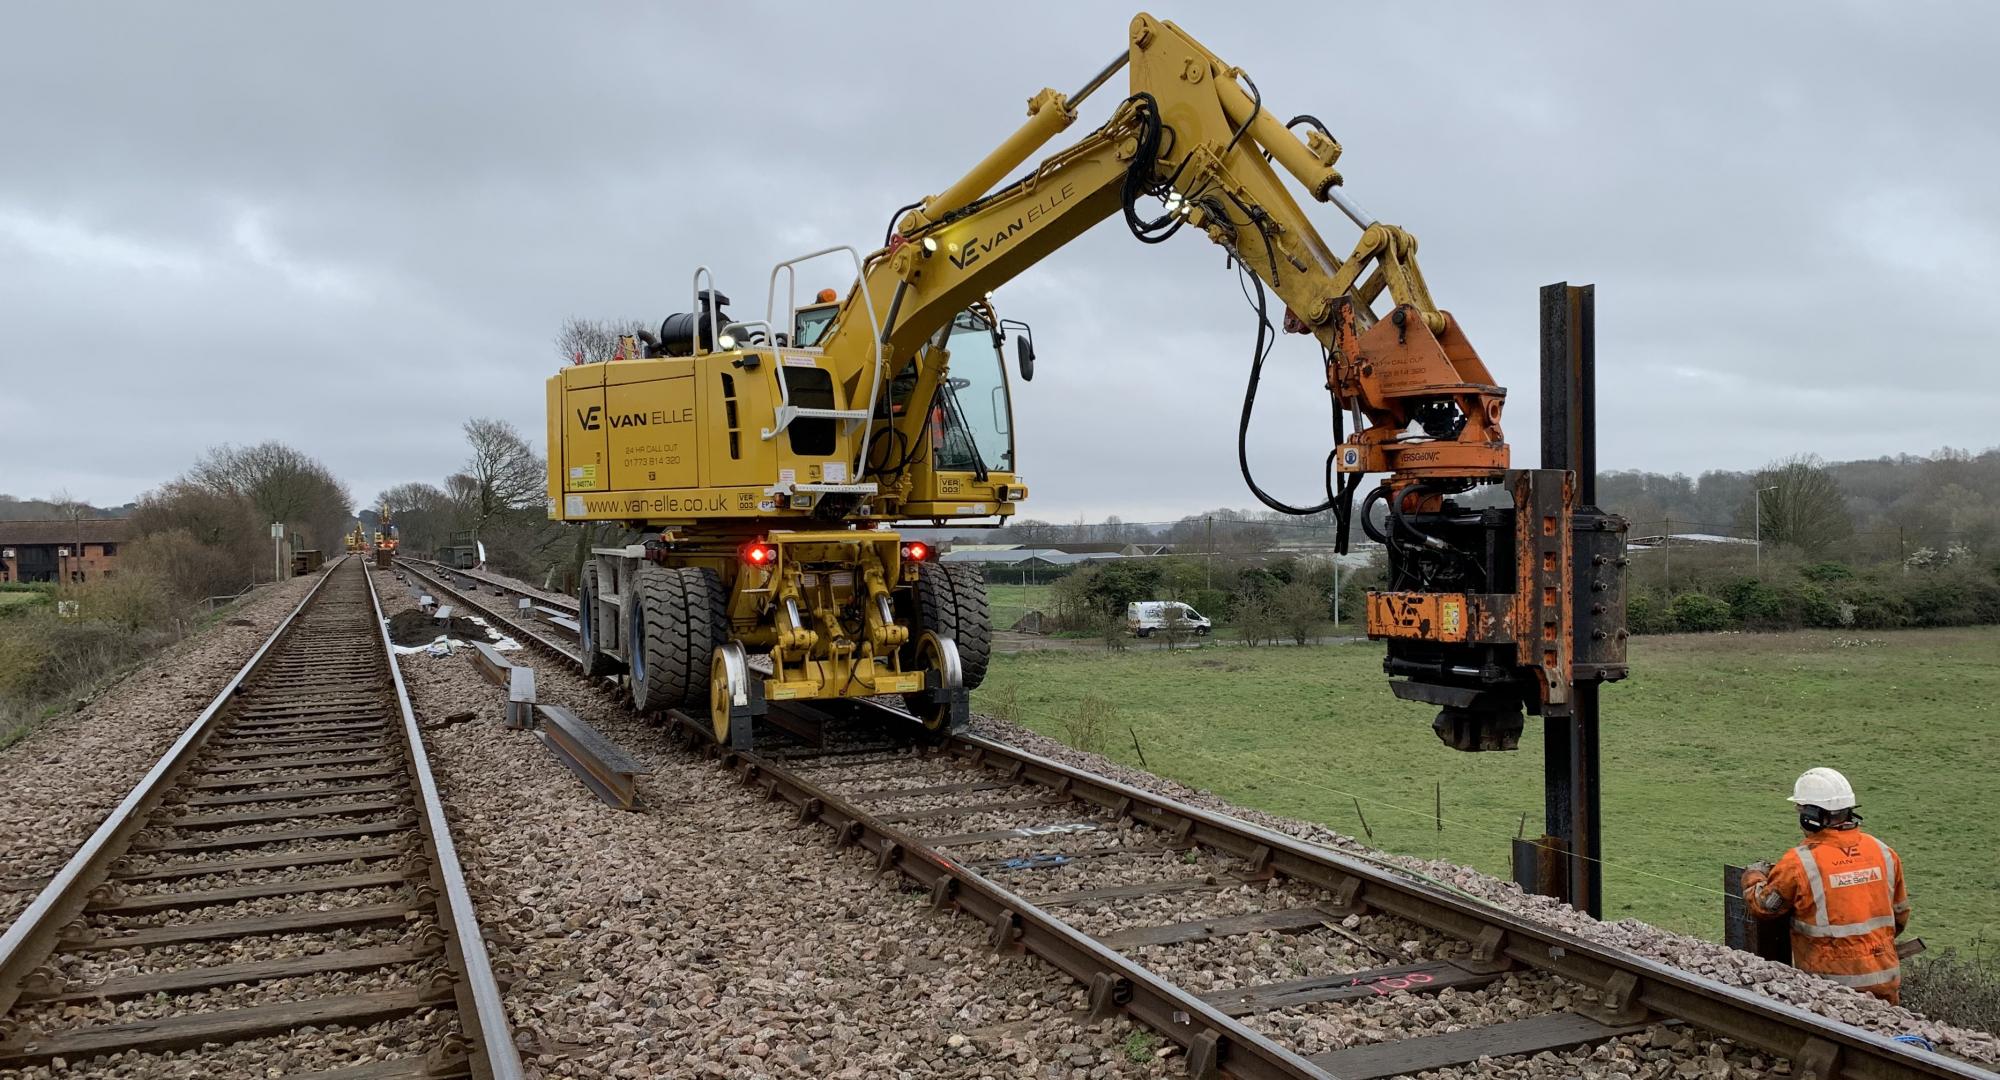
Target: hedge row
[1822,599]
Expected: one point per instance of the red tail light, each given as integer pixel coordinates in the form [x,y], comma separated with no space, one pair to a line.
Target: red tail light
[916,551]
[759,553]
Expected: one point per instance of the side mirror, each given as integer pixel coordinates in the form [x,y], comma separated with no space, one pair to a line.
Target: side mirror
[1024,354]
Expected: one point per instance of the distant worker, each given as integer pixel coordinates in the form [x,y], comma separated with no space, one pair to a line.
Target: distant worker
[1843,889]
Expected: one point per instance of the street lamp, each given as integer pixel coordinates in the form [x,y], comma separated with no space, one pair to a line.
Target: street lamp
[1757,526]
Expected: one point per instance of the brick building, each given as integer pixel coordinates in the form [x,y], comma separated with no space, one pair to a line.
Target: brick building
[61,550]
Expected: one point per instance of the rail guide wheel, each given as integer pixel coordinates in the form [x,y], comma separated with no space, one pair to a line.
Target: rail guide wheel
[944,704]
[735,697]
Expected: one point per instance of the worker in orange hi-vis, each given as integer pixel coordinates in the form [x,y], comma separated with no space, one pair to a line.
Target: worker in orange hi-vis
[1842,888]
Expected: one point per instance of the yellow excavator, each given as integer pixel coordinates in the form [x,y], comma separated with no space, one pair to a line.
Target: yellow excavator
[764,462]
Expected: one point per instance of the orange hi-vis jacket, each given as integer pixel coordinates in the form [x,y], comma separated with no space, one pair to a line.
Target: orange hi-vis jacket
[1844,890]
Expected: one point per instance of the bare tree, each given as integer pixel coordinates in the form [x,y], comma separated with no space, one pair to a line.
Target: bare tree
[1800,504]
[423,514]
[283,484]
[503,474]
[592,340]
[1035,532]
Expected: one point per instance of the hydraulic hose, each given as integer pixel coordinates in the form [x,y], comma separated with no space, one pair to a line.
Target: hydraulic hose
[1257,355]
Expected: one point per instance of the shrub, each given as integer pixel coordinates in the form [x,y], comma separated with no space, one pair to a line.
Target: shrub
[1694,613]
[46,657]
[1933,603]
[135,601]
[1826,573]
[191,568]
[1645,614]
[1760,605]
[1951,599]
[22,597]
[1111,627]
[1875,608]
[1089,726]
[23,651]
[1254,619]
[1301,611]
[1818,608]
[1954,989]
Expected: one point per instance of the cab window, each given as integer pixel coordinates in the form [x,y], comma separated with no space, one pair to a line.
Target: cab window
[976,433]
[810,325]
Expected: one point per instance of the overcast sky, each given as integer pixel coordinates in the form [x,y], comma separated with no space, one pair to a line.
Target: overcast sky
[350,227]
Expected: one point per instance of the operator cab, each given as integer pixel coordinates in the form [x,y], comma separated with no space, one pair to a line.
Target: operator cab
[971,425]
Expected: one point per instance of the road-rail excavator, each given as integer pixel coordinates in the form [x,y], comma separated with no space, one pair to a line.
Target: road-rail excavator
[765,462]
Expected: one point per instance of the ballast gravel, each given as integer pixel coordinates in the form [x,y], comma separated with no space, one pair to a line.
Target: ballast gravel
[1705,958]
[706,936]
[66,775]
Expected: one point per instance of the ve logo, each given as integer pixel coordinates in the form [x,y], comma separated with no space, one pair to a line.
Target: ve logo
[591,418]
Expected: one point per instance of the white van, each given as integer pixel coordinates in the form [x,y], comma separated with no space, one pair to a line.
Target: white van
[1142,617]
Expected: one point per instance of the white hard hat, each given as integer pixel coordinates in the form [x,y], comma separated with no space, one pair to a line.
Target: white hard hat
[1824,788]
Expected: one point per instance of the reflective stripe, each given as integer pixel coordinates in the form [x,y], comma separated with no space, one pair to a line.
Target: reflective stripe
[1811,866]
[1888,872]
[1840,930]
[1871,979]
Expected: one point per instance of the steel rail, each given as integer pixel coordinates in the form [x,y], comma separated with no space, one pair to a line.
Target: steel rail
[554,645]
[485,1023]
[566,604]
[1630,983]
[28,940]
[1215,1043]
[1628,979]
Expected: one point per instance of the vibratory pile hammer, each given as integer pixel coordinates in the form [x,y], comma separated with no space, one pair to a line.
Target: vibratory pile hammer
[764,463]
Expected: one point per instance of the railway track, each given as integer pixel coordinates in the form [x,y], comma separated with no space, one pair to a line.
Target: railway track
[285,866]
[549,623]
[1149,903]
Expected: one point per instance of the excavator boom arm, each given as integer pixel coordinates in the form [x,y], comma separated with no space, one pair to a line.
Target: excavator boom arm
[1191,136]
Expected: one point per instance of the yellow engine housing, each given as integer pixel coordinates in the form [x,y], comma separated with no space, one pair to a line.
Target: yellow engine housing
[716,438]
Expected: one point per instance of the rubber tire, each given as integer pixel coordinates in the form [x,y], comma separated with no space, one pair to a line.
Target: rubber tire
[684,616]
[952,600]
[975,622]
[595,661]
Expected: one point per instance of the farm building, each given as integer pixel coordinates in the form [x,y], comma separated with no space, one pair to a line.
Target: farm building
[61,551]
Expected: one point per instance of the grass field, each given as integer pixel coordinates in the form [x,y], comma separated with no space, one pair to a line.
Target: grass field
[1010,602]
[1700,748]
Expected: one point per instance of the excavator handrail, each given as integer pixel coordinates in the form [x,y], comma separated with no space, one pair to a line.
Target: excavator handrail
[786,413]
[714,328]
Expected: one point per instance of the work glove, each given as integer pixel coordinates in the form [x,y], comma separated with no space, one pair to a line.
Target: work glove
[1756,874]
[1761,869]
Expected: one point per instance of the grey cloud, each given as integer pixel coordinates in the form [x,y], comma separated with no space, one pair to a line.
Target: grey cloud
[352,227]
